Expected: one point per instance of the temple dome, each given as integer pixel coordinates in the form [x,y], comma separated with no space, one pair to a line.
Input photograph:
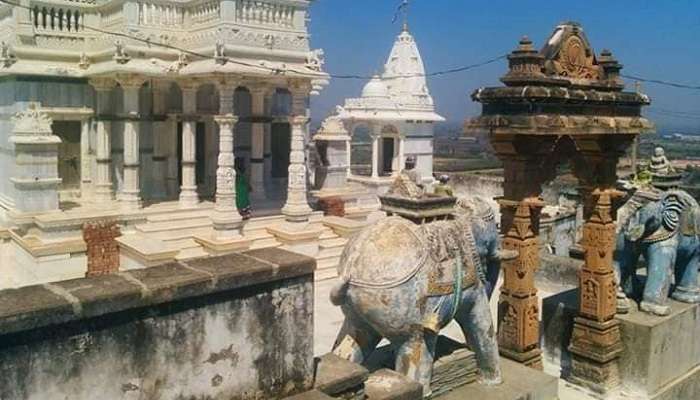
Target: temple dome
[375,88]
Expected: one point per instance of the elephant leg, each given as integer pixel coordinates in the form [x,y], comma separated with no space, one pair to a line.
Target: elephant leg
[493,269]
[356,340]
[477,325]
[687,289]
[415,357]
[661,261]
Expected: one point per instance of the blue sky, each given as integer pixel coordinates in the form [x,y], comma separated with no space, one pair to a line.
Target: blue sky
[652,38]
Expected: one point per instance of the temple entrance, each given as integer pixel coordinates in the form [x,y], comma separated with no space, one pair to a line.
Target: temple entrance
[68,154]
[280,148]
[387,156]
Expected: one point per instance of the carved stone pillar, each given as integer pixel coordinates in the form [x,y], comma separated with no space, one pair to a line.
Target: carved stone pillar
[160,133]
[85,158]
[596,342]
[131,192]
[227,221]
[188,190]
[103,147]
[518,305]
[297,209]
[375,154]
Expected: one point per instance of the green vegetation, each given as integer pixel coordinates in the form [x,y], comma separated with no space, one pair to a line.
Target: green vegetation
[464,164]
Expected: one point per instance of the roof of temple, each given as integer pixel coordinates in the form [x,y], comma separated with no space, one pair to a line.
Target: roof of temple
[400,93]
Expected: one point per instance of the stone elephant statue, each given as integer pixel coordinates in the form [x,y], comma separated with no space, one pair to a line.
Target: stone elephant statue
[404,282]
[664,229]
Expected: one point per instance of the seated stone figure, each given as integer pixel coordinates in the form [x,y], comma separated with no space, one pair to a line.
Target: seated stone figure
[443,189]
[408,183]
[659,163]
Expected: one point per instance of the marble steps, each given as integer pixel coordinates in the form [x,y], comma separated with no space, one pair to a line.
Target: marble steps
[333,252]
[179,216]
[326,270]
[175,235]
[165,226]
[189,249]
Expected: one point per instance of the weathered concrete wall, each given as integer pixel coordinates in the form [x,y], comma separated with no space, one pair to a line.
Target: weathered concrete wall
[233,327]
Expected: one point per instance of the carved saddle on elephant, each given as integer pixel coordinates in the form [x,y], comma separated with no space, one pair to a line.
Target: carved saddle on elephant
[397,250]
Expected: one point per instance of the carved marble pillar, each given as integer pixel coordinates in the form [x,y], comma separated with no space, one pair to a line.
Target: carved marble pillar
[296,209]
[188,191]
[172,167]
[85,158]
[227,221]
[160,133]
[131,192]
[258,94]
[596,342]
[375,135]
[103,147]
[348,148]
[402,154]
[518,305]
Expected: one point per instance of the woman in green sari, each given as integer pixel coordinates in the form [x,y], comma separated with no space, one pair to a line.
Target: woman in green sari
[242,191]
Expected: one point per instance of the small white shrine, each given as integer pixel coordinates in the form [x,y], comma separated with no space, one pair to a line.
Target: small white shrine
[397,111]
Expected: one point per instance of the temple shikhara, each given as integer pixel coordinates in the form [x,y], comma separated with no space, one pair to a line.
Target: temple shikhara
[173,224]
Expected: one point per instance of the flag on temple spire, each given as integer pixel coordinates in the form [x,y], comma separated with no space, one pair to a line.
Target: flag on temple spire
[403,8]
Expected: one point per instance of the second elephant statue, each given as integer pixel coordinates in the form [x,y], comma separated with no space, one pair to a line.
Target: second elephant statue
[664,228]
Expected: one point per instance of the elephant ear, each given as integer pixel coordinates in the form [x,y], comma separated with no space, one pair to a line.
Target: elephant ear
[672,209]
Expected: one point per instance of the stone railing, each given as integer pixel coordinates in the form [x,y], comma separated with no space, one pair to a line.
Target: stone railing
[237,326]
[161,15]
[56,19]
[264,13]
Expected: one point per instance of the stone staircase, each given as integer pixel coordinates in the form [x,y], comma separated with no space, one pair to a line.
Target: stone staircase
[176,230]
[331,247]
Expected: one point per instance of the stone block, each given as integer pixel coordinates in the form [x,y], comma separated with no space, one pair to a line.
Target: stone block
[659,350]
[558,313]
[310,395]
[455,365]
[340,378]
[386,384]
[519,382]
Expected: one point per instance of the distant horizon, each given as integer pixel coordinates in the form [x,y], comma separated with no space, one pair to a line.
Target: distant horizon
[652,40]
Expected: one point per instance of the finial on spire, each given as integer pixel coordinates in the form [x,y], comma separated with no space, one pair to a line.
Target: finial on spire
[403,9]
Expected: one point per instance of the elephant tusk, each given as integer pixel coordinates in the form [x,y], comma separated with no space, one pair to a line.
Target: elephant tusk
[508,255]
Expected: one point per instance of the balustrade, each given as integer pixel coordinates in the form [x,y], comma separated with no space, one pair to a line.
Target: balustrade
[151,14]
[262,12]
[57,19]
[205,12]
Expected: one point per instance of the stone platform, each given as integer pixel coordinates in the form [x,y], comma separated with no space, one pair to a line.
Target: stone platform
[519,383]
[662,354]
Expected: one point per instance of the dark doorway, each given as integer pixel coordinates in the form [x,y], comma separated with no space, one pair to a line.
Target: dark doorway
[280,148]
[387,155]
[68,153]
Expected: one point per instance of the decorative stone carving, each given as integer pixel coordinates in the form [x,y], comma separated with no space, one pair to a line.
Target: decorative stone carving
[220,52]
[84,61]
[576,60]
[315,60]
[120,55]
[7,57]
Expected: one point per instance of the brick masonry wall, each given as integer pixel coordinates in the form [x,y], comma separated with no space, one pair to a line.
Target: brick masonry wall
[102,247]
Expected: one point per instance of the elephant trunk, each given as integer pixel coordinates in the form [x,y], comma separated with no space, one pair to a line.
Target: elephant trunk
[339,292]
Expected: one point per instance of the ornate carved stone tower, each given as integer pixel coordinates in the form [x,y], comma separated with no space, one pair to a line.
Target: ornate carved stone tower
[561,104]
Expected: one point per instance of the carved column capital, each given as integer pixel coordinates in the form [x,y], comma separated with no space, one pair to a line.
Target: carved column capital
[102,84]
[130,81]
[226,121]
[298,120]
